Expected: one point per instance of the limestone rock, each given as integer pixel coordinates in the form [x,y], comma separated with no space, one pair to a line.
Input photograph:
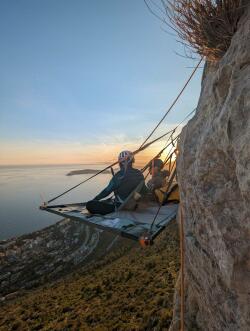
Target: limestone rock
[214,178]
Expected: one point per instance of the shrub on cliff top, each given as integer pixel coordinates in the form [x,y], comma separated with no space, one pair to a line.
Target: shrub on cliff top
[205,26]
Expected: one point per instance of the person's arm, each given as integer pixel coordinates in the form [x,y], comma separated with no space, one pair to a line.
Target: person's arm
[113,185]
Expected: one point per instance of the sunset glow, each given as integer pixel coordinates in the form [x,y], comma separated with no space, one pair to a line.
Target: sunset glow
[83,91]
[70,153]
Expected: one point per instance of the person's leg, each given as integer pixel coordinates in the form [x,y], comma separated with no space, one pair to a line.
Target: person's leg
[100,207]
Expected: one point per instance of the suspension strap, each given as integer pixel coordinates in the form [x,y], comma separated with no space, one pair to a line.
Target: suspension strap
[165,194]
[115,192]
[170,164]
[171,137]
[153,167]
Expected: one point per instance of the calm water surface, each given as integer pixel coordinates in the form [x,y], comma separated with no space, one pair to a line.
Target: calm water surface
[23,188]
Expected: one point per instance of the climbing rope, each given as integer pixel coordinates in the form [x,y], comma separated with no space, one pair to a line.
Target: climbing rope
[172,142]
[182,253]
[169,157]
[159,153]
[109,166]
[173,103]
[115,163]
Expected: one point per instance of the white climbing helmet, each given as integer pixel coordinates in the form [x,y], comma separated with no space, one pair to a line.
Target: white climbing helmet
[126,157]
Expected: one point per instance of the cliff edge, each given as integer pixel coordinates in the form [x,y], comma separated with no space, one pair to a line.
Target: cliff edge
[214,179]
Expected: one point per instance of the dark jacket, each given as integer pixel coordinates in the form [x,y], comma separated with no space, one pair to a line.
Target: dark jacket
[122,184]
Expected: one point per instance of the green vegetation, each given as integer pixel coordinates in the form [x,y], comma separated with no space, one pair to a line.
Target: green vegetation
[131,292]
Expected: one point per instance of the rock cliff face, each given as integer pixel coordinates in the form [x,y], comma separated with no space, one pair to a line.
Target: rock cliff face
[214,178]
[45,255]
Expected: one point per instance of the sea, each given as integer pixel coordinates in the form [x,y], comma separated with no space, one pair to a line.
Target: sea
[24,188]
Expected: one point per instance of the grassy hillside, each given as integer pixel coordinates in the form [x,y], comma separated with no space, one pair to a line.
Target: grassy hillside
[132,292]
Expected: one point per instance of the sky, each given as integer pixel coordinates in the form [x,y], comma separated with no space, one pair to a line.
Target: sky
[82,79]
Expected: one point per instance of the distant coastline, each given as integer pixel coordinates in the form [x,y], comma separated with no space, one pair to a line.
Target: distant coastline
[85,172]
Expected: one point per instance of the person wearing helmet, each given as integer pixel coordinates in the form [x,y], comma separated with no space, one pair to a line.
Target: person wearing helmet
[159,175]
[122,184]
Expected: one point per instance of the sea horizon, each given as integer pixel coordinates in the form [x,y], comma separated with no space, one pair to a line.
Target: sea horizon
[54,164]
[23,188]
